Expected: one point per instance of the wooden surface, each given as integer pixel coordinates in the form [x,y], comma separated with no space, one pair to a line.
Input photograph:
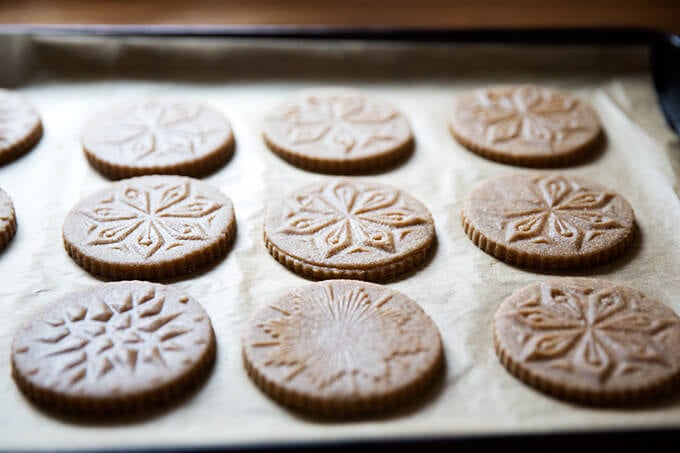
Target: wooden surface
[662,15]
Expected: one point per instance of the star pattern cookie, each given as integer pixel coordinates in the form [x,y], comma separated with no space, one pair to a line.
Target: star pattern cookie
[20,126]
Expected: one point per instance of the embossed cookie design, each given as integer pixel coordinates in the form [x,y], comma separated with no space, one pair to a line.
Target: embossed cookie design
[20,126]
[340,131]
[342,348]
[349,229]
[158,136]
[113,348]
[8,220]
[525,125]
[149,228]
[589,341]
[548,221]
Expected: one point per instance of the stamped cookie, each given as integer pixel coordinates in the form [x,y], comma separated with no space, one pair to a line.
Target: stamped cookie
[336,130]
[589,341]
[8,220]
[20,126]
[344,228]
[548,221]
[157,136]
[114,348]
[150,227]
[525,125]
[342,348]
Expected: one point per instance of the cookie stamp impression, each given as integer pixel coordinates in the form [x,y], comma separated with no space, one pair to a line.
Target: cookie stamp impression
[525,125]
[150,227]
[548,221]
[342,348]
[8,220]
[114,348]
[20,126]
[338,131]
[154,136]
[344,228]
[588,340]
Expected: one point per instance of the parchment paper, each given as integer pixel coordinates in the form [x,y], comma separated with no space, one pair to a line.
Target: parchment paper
[68,78]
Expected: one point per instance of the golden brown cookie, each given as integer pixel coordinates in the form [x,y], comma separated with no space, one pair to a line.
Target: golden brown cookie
[589,341]
[342,348]
[345,228]
[149,228]
[8,220]
[336,130]
[113,348]
[548,220]
[525,125]
[158,136]
[20,126]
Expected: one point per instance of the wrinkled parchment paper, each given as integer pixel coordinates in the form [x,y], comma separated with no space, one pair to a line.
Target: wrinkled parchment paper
[68,78]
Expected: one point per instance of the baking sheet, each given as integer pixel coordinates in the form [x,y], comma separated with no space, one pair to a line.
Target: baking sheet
[68,78]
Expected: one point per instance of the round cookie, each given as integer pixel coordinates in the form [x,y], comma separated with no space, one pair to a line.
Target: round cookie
[548,221]
[344,228]
[158,136]
[150,227]
[114,348]
[342,348]
[8,220]
[589,341]
[20,126]
[335,130]
[525,125]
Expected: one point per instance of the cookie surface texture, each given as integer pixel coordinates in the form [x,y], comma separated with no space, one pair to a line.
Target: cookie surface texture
[525,125]
[342,348]
[8,220]
[589,341]
[345,228]
[548,221]
[114,348]
[150,227]
[20,126]
[156,136]
[340,131]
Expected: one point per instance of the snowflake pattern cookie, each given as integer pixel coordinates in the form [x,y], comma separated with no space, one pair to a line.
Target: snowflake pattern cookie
[8,220]
[525,125]
[342,348]
[548,221]
[344,228]
[150,227]
[20,126]
[589,341]
[114,348]
[340,131]
[157,136]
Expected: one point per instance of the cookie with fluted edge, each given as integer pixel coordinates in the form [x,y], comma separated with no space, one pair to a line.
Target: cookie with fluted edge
[158,136]
[150,227]
[8,220]
[20,126]
[343,348]
[548,220]
[526,125]
[338,130]
[343,228]
[114,348]
[589,341]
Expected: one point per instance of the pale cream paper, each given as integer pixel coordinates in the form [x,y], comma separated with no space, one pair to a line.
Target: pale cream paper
[70,78]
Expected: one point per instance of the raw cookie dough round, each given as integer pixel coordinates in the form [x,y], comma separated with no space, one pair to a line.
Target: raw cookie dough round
[525,125]
[158,136]
[548,220]
[589,341]
[20,126]
[150,227]
[340,131]
[113,348]
[8,220]
[345,228]
[342,348]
